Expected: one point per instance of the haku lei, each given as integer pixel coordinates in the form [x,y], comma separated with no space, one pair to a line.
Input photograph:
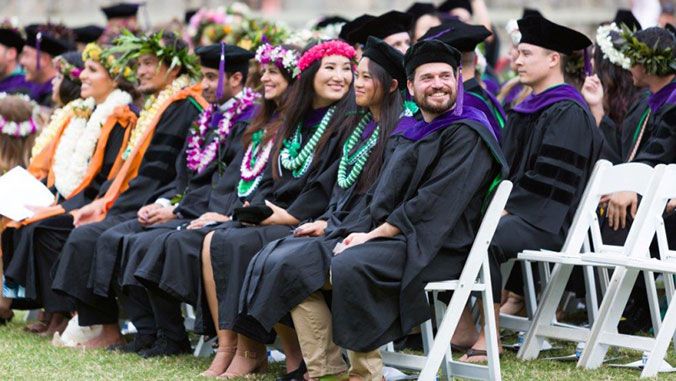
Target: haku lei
[151,107]
[296,160]
[23,128]
[359,158]
[604,40]
[254,163]
[79,141]
[282,58]
[200,155]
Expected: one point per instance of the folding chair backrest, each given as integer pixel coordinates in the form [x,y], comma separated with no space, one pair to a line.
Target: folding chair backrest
[605,179]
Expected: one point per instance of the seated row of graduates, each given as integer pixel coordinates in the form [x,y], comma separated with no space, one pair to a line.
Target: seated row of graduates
[267,192]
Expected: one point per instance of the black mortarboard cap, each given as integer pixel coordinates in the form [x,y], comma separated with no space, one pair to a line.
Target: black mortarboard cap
[120,10]
[329,20]
[541,32]
[12,38]
[424,52]
[387,57]
[383,26]
[464,37]
[188,15]
[353,25]
[531,12]
[49,43]
[87,34]
[236,58]
[449,5]
[420,9]
[624,16]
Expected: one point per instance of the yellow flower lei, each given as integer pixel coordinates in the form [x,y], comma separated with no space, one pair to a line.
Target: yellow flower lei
[49,133]
[151,108]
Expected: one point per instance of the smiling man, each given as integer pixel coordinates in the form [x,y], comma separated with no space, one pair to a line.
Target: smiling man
[551,144]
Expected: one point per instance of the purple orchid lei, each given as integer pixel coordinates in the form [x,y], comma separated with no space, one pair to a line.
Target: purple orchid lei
[200,155]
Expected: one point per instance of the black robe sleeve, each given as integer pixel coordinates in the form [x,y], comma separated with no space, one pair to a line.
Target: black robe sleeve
[611,150]
[560,153]
[163,156]
[660,148]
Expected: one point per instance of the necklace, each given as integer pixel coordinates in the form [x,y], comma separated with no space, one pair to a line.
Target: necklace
[254,163]
[200,157]
[296,160]
[359,158]
[151,107]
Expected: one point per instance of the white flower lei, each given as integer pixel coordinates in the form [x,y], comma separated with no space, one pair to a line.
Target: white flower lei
[19,129]
[152,106]
[605,43]
[79,140]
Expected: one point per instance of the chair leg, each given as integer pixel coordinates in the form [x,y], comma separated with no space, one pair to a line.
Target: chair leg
[653,301]
[669,292]
[609,316]
[546,312]
[490,326]
[591,297]
[662,340]
[530,294]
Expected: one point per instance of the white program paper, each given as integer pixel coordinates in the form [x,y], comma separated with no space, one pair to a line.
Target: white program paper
[19,189]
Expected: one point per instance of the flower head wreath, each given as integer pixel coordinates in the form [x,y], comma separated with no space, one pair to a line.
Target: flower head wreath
[605,35]
[95,53]
[20,128]
[67,69]
[285,59]
[326,48]
[656,60]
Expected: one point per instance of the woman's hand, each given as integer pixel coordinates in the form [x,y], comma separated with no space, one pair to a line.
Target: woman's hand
[279,216]
[617,209]
[160,215]
[89,213]
[207,218]
[145,212]
[311,229]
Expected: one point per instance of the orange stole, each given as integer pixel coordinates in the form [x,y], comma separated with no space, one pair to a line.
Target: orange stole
[127,119]
[42,162]
[131,166]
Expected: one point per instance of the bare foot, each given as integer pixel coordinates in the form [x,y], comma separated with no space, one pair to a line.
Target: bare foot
[57,323]
[515,305]
[110,335]
[478,351]
[246,362]
[221,361]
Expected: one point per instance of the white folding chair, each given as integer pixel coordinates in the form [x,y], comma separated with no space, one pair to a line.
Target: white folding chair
[604,331]
[605,179]
[476,266]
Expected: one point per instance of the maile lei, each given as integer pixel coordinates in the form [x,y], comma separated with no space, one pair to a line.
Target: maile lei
[360,157]
[254,163]
[80,138]
[150,109]
[292,157]
[200,155]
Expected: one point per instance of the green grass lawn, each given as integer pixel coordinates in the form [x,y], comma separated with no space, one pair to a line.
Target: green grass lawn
[24,356]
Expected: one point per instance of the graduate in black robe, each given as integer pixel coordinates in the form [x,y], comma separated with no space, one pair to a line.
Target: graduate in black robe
[304,171]
[157,170]
[264,299]
[465,38]
[425,210]
[551,143]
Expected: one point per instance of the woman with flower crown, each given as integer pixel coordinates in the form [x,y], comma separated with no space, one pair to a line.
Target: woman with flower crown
[319,111]
[83,166]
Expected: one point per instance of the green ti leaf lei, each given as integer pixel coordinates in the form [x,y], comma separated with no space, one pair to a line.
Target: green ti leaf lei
[359,158]
[656,61]
[298,160]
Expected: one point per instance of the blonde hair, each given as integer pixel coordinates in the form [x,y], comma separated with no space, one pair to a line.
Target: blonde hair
[16,150]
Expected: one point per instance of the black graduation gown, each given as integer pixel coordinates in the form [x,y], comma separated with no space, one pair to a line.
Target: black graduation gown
[122,247]
[25,265]
[278,278]
[551,154]
[155,176]
[433,190]
[233,244]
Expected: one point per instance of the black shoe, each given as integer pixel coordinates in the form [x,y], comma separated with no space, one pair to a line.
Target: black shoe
[139,343]
[166,347]
[296,375]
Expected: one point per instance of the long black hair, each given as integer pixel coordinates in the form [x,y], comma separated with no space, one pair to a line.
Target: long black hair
[618,86]
[391,106]
[299,103]
[263,118]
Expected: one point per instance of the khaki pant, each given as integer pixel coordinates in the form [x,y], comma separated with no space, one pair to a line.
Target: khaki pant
[312,319]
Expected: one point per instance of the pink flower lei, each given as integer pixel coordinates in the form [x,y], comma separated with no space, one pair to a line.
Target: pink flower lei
[200,157]
[326,48]
[285,59]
